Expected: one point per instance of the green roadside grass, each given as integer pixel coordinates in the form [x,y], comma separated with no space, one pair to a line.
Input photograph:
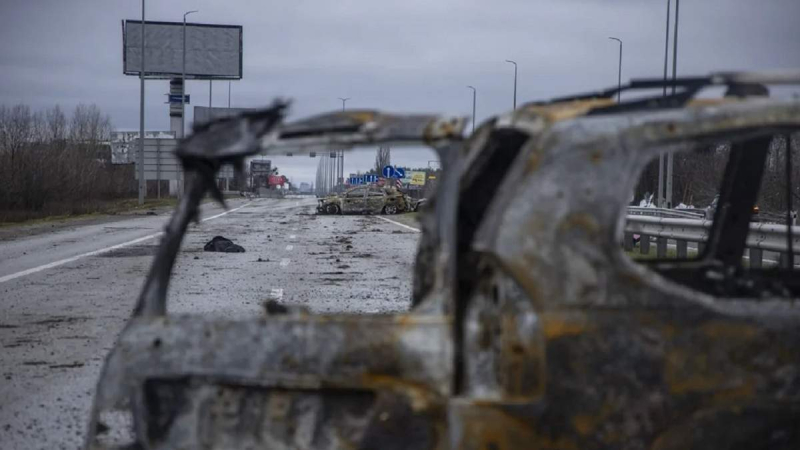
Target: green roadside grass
[87,211]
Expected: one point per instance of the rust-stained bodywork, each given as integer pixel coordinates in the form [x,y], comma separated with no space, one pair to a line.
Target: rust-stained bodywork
[530,327]
[367,199]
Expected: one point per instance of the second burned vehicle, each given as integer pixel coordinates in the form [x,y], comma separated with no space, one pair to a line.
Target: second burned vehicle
[368,199]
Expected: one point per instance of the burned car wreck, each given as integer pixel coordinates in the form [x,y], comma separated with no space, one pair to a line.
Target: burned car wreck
[530,327]
[368,200]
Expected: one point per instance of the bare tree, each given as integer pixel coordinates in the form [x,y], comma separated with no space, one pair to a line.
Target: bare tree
[51,164]
[383,158]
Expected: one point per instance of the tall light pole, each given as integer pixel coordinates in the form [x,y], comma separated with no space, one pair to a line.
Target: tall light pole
[619,71]
[674,76]
[140,156]
[660,199]
[474,95]
[183,77]
[515,83]
[340,167]
[675,45]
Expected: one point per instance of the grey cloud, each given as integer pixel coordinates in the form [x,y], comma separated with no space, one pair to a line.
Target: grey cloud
[410,55]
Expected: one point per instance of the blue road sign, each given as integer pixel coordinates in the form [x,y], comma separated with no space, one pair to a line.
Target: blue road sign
[394,172]
[364,179]
[176,98]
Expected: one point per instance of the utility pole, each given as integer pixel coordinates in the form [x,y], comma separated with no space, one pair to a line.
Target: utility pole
[515,82]
[660,198]
[474,95]
[340,178]
[619,72]
[183,78]
[142,184]
[209,98]
[670,156]
[229,94]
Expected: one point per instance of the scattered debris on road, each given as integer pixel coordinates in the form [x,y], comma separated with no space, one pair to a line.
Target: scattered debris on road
[222,244]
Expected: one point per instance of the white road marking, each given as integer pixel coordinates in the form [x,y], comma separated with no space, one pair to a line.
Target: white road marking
[399,224]
[275,294]
[289,247]
[61,262]
[292,236]
[285,262]
[225,212]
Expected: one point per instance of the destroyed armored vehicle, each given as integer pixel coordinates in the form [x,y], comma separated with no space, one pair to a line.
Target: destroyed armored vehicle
[367,200]
[530,326]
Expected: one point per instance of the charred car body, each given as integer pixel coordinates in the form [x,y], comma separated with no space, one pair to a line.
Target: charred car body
[530,328]
[368,200]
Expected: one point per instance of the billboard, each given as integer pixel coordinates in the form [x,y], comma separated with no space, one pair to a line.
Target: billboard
[417,178]
[212,51]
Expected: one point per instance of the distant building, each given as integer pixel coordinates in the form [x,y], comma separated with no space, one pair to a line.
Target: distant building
[121,141]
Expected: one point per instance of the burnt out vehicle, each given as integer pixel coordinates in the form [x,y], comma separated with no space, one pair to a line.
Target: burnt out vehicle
[530,327]
[367,200]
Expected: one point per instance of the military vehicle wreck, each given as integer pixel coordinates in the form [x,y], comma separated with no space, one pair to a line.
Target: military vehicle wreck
[368,200]
[530,328]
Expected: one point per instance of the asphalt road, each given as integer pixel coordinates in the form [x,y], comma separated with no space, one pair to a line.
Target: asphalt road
[65,294]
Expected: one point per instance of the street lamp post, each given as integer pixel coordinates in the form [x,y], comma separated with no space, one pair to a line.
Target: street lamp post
[619,72]
[183,77]
[341,154]
[661,159]
[670,156]
[515,81]
[474,94]
[140,156]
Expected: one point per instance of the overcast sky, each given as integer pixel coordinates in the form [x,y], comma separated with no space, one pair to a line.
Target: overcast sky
[408,55]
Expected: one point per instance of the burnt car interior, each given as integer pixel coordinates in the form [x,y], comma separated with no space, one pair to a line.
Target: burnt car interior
[466,368]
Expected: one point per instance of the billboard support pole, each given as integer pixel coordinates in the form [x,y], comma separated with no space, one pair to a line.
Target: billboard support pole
[141,119]
[183,79]
[158,168]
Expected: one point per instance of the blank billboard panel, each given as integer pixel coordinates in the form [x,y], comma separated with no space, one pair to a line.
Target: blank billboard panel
[212,51]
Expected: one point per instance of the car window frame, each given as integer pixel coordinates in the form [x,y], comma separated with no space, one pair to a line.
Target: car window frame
[350,194]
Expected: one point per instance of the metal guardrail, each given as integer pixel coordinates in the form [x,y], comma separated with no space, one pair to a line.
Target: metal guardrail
[762,237]
[664,212]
